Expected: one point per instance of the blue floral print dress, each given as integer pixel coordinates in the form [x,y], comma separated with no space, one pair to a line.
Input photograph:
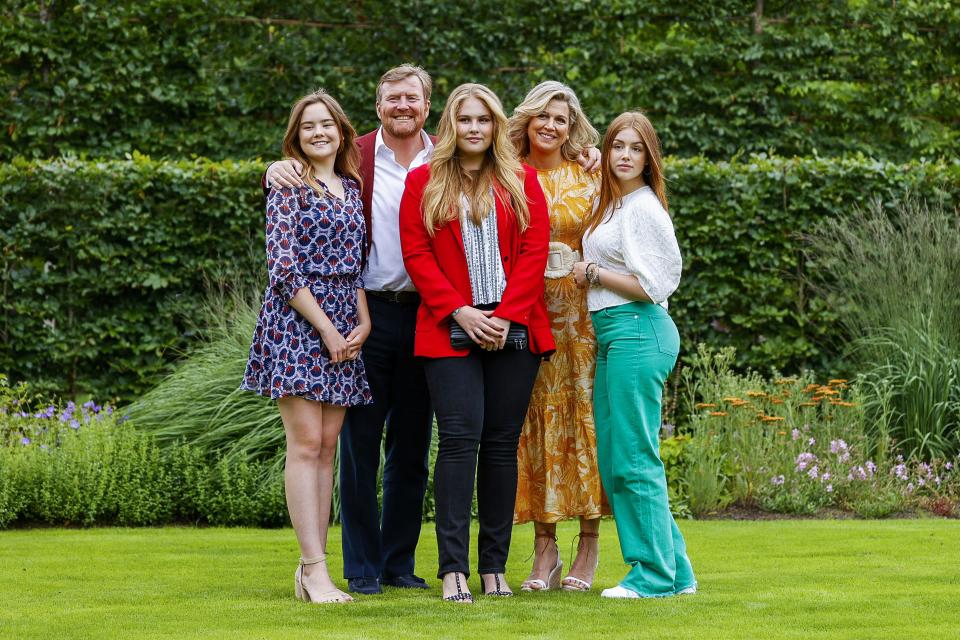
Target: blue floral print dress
[313,240]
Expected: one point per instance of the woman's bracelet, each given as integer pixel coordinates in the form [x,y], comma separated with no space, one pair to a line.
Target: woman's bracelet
[593,275]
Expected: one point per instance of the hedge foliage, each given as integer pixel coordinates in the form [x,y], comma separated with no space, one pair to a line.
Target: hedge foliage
[176,78]
[106,264]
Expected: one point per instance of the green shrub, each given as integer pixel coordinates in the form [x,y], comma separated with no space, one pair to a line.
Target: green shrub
[216,78]
[106,264]
[87,467]
[792,445]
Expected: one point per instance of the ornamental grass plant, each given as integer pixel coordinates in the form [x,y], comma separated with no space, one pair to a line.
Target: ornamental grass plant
[892,270]
[201,402]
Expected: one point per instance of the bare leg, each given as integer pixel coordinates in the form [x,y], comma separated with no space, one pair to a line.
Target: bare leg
[588,552]
[545,558]
[311,430]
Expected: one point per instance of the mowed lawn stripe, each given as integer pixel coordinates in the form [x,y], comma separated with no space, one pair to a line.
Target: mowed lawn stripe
[766,579]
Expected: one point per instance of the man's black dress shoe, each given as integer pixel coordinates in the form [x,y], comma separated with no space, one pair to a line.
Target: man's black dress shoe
[365,586]
[408,581]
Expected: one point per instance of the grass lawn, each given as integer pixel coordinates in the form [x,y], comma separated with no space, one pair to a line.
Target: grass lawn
[771,579]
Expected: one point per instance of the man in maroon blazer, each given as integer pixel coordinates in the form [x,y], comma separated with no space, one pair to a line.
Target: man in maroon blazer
[378,547]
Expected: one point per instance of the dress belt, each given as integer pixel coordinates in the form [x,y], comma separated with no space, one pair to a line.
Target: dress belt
[398,297]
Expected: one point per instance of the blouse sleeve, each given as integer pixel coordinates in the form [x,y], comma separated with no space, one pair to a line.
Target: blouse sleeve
[283,248]
[650,249]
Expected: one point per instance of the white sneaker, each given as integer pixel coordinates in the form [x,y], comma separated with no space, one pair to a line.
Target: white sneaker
[619,592]
[689,591]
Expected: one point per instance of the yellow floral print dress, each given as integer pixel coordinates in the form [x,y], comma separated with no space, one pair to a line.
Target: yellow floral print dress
[557,456]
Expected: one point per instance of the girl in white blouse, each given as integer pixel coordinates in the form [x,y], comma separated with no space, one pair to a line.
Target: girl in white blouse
[632,265]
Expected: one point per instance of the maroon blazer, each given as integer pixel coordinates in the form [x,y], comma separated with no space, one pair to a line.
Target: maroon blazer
[367,144]
[438,267]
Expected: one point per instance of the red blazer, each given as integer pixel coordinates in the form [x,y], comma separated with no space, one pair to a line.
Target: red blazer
[438,267]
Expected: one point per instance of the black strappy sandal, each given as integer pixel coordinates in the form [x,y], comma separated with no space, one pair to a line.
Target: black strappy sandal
[498,590]
[459,596]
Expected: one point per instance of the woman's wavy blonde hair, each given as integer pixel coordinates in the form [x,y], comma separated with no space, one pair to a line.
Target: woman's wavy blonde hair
[348,155]
[581,133]
[449,180]
[611,195]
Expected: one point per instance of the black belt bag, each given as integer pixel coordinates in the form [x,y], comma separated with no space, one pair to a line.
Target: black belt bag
[518,338]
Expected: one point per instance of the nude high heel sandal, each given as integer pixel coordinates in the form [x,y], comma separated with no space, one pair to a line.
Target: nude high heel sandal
[573,583]
[553,579]
[334,595]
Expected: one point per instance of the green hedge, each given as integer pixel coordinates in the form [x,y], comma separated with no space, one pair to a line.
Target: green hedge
[105,264]
[174,78]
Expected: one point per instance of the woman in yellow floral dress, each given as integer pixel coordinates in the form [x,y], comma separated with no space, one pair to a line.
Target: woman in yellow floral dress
[557,456]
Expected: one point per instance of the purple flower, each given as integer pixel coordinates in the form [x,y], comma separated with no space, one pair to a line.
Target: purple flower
[825,476]
[811,442]
[813,472]
[871,467]
[74,424]
[910,488]
[109,410]
[777,480]
[921,481]
[901,471]
[900,458]
[795,434]
[949,466]
[829,488]
[804,459]
[24,440]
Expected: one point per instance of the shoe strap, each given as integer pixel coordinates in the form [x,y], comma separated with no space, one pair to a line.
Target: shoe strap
[317,560]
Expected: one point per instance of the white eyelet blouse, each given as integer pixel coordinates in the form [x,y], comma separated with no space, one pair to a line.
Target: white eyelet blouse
[636,239]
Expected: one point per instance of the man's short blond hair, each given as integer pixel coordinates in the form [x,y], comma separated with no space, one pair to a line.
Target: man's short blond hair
[403,72]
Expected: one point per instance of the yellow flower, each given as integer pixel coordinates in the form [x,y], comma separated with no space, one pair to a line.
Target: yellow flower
[773,418]
[756,394]
[836,381]
[776,401]
[718,413]
[704,405]
[786,381]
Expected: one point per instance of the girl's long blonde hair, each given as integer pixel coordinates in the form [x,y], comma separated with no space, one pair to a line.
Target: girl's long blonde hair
[501,169]
[611,195]
[348,155]
[581,133]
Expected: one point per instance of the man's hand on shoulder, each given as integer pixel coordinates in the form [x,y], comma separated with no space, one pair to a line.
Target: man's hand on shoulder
[589,159]
[284,173]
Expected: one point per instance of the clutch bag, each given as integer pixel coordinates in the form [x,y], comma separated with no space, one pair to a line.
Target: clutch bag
[518,338]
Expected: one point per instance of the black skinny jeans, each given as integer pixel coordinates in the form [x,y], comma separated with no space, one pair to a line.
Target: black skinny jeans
[480,402]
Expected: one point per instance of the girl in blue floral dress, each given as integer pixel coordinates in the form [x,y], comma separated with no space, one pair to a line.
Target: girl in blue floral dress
[313,322]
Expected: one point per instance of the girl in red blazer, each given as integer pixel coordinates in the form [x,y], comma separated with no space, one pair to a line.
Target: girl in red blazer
[474,231]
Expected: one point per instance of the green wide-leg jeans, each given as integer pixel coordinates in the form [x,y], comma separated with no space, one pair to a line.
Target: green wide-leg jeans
[637,347]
